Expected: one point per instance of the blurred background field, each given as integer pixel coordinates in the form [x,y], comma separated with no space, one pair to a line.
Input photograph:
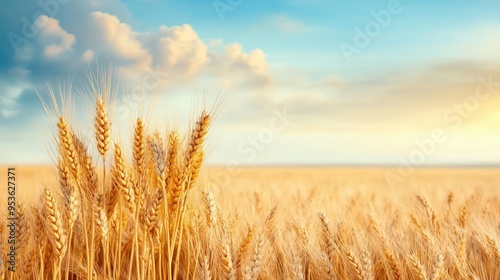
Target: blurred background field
[329,182]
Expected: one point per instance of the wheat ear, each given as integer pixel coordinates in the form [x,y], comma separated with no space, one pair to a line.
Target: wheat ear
[174,178]
[153,213]
[158,151]
[73,206]
[396,273]
[328,246]
[209,203]
[438,267]
[101,219]
[54,225]
[258,257]
[244,246]
[198,136]
[227,262]
[194,156]
[23,224]
[367,268]
[88,168]
[138,146]
[462,248]
[495,249]
[431,214]
[173,150]
[205,273]
[418,268]
[297,267]
[102,126]
[68,149]
[121,179]
[354,262]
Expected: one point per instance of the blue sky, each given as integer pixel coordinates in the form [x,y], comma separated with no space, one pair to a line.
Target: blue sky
[414,75]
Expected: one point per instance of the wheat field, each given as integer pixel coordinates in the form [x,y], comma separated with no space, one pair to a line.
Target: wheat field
[156,213]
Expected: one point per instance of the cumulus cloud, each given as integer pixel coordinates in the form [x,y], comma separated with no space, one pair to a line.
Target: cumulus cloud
[100,31]
[56,39]
[250,69]
[116,39]
[178,50]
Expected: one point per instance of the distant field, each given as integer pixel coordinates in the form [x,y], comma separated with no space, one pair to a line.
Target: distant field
[32,179]
[277,184]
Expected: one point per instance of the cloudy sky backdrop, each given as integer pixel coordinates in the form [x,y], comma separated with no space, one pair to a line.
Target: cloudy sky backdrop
[362,82]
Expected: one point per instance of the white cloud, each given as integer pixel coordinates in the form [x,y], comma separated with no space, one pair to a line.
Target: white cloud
[116,39]
[55,39]
[250,69]
[64,49]
[176,50]
[180,50]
